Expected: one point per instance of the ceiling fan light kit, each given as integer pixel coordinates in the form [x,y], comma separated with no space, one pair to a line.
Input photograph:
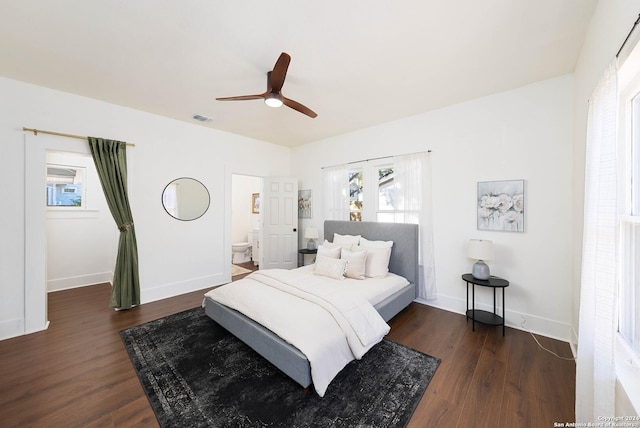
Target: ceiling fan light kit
[272,97]
[273,100]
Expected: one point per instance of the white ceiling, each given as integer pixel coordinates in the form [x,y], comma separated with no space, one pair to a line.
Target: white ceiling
[356,63]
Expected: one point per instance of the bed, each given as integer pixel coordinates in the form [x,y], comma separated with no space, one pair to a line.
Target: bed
[288,358]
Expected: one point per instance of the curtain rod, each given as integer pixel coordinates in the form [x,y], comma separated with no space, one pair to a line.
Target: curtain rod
[635,24]
[35,132]
[373,159]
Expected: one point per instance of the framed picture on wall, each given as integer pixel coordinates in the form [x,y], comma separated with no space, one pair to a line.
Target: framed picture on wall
[255,203]
[501,205]
[304,204]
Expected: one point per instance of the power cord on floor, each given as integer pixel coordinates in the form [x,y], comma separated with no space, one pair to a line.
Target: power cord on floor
[524,320]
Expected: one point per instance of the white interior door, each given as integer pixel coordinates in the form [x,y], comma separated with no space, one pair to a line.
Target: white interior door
[279,211]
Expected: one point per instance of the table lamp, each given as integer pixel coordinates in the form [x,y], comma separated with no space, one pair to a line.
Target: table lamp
[480,249]
[311,233]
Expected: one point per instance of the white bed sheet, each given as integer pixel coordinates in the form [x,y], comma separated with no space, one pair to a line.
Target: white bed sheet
[375,290]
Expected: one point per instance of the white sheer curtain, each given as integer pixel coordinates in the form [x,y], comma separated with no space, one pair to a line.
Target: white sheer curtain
[595,371]
[336,193]
[412,193]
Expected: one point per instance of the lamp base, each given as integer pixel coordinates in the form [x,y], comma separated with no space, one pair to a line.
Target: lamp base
[311,245]
[480,270]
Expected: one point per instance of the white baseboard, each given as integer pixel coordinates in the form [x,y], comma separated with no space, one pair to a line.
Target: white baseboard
[78,281]
[574,342]
[538,325]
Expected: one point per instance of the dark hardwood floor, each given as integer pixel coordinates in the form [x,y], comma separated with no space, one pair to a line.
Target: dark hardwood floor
[485,379]
[78,374]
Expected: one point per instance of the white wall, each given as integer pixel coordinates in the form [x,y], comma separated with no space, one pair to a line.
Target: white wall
[174,256]
[81,243]
[521,134]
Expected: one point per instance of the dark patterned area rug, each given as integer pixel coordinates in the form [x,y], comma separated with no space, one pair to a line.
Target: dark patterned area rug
[196,374]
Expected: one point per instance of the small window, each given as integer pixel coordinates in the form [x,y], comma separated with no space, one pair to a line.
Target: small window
[65,186]
[386,202]
[355,195]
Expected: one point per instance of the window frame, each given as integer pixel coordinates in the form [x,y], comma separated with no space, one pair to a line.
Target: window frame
[379,211]
[82,170]
[370,191]
[627,356]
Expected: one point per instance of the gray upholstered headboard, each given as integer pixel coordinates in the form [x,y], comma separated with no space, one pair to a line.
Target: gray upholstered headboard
[404,253]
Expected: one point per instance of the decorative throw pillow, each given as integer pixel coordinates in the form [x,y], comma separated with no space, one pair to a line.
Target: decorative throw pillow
[378,256]
[346,239]
[327,266]
[331,252]
[355,263]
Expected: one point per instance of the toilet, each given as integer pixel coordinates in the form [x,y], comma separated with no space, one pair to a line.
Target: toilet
[240,252]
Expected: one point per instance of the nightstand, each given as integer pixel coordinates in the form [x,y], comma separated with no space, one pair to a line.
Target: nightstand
[304,252]
[477,315]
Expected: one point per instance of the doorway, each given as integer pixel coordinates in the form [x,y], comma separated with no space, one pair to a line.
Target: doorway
[245,223]
[37,149]
[35,269]
[81,240]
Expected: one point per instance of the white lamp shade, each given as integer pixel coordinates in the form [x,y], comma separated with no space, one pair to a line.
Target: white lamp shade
[480,249]
[311,233]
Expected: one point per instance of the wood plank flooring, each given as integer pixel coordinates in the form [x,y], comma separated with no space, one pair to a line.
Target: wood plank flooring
[78,374]
[486,380]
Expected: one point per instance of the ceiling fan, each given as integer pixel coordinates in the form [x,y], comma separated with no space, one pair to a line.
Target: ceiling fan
[272,97]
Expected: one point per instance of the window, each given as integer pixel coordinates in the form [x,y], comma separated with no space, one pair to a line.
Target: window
[356,195]
[629,208]
[629,322]
[375,183]
[65,186]
[374,193]
[627,344]
[629,306]
[386,203]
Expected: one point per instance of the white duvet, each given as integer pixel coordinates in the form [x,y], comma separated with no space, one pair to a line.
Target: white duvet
[328,322]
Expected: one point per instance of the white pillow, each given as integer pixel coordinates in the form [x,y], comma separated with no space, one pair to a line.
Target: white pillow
[328,244]
[364,242]
[331,252]
[346,239]
[377,262]
[333,268]
[356,263]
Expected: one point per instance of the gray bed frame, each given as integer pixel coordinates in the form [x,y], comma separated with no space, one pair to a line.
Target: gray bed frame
[404,262]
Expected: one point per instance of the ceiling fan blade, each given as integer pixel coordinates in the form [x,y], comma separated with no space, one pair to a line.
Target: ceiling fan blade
[299,107]
[242,98]
[280,72]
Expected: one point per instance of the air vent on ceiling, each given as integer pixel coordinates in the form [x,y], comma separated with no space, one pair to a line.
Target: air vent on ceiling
[202,118]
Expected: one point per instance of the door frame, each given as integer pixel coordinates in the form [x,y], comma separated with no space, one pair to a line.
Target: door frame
[229,172]
[229,213]
[35,218]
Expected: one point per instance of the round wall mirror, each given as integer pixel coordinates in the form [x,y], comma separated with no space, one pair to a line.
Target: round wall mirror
[185,199]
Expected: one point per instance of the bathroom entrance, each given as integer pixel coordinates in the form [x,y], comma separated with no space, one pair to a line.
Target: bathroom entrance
[245,223]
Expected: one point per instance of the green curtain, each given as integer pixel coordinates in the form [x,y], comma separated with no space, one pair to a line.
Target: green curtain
[110,158]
